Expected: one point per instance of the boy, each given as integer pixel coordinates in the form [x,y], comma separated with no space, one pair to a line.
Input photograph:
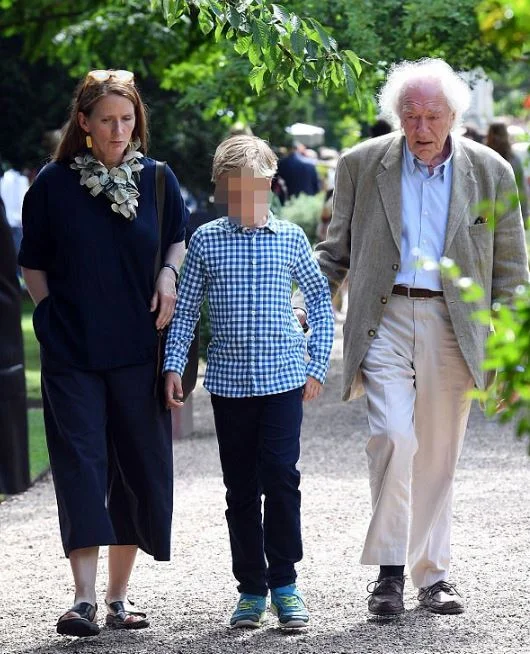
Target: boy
[257,372]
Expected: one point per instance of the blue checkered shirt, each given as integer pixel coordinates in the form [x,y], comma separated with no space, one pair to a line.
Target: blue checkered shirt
[258,346]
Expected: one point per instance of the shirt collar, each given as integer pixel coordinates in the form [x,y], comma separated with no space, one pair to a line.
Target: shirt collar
[411,162]
[272,225]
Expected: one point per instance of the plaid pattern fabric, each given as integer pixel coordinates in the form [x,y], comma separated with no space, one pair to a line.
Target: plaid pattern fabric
[258,346]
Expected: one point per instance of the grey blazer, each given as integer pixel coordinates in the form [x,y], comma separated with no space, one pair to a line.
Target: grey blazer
[364,238]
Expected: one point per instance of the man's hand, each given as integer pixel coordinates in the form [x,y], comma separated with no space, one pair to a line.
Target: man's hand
[301,315]
[173,391]
[312,389]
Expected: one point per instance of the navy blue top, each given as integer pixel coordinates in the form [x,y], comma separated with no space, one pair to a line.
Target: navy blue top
[99,265]
[299,173]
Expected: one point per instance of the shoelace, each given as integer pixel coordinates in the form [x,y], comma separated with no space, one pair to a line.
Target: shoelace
[371,588]
[439,586]
[374,586]
[246,604]
[289,601]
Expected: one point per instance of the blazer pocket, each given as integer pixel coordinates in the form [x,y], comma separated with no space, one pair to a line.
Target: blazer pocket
[479,229]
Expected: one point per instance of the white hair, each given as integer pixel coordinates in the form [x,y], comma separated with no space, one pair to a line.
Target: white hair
[410,73]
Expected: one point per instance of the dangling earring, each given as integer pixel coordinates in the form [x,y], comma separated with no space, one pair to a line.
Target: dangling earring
[88,140]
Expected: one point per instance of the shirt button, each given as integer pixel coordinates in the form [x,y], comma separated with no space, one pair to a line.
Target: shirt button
[384,299]
[395,266]
[371,333]
[253,262]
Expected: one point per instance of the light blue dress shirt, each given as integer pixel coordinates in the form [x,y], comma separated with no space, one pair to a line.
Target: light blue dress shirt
[424,210]
[258,346]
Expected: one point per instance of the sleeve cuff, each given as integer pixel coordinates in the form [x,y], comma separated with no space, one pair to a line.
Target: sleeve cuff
[172,365]
[317,370]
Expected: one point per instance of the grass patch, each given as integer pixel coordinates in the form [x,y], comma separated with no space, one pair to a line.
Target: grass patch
[38,452]
[31,352]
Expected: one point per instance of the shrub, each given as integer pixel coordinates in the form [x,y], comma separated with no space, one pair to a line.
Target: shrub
[304,210]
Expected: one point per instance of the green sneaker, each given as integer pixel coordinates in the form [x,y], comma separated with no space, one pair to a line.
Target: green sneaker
[250,611]
[288,604]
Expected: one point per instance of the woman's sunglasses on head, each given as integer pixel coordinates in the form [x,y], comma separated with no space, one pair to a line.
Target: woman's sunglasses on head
[124,76]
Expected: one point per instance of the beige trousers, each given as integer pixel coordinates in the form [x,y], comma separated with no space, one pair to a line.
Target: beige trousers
[416,381]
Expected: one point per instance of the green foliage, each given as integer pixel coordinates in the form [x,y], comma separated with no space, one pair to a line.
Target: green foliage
[305,211]
[31,352]
[203,65]
[284,50]
[507,351]
[507,25]
[38,452]
[511,88]
[35,99]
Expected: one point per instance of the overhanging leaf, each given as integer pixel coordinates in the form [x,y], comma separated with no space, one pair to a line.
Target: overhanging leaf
[256,77]
[281,14]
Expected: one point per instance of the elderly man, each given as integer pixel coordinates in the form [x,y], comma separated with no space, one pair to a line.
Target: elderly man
[409,340]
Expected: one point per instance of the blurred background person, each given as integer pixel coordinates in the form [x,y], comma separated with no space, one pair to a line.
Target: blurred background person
[472,131]
[498,139]
[14,461]
[380,127]
[299,172]
[13,187]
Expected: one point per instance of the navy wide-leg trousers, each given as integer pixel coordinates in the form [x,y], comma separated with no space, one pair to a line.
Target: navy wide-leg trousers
[110,447]
[259,447]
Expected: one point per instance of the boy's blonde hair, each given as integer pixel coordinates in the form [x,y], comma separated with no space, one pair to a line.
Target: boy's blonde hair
[244,151]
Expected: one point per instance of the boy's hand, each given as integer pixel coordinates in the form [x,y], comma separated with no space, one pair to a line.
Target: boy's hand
[301,315]
[312,389]
[173,391]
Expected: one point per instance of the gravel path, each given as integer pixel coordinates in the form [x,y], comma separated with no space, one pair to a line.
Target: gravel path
[190,598]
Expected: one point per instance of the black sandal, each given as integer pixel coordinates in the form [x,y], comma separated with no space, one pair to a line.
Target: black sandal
[84,625]
[117,617]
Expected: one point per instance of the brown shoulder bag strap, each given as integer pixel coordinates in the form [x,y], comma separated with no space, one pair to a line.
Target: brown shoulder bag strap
[160,176]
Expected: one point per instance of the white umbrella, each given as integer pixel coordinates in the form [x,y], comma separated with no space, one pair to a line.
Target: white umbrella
[309,135]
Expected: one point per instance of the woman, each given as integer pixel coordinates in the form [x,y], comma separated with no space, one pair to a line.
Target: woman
[88,256]
[498,139]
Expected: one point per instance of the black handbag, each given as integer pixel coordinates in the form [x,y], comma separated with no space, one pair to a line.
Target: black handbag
[189,376]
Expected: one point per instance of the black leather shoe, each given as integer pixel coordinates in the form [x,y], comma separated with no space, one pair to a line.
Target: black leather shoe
[386,597]
[441,597]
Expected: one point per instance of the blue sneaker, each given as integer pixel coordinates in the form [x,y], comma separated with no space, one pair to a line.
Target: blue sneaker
[288,604]
[250,611]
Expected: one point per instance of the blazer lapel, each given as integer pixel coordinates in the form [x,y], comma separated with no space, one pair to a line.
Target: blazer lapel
[462,186]
[389,183]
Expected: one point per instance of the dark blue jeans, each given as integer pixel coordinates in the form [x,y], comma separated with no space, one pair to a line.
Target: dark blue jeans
[259,446]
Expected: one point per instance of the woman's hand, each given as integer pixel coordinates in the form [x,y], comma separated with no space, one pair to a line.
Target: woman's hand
[164,297]
[173,390]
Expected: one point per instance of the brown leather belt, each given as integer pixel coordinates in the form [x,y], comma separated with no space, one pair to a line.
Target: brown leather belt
[416,292]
